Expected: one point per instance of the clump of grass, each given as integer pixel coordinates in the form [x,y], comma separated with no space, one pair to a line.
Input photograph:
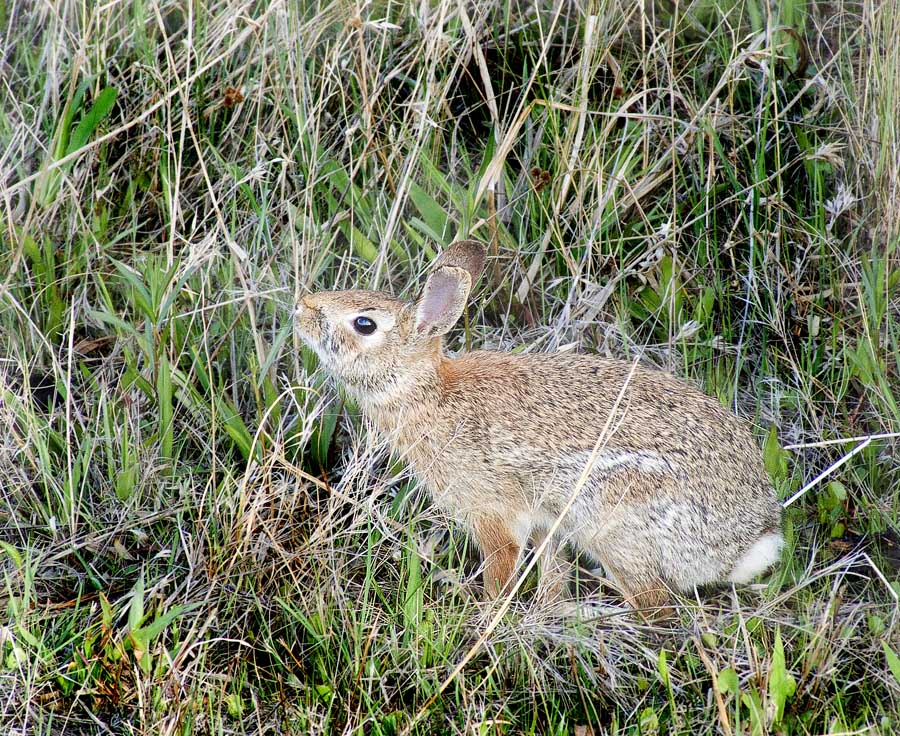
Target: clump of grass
[199,535]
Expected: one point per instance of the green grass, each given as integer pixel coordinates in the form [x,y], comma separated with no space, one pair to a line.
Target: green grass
[197,535]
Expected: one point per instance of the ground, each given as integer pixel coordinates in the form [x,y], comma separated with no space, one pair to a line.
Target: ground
[199,535]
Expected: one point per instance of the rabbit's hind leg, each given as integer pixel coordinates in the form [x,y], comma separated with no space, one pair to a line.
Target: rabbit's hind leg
[501,544]
[643,590]
[652,601]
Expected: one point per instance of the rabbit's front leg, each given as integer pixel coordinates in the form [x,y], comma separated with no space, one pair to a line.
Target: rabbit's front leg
[501,544]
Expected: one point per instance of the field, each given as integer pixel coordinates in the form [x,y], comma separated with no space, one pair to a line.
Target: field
[197,532]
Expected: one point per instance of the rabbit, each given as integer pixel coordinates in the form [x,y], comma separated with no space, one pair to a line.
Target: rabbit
[676,496]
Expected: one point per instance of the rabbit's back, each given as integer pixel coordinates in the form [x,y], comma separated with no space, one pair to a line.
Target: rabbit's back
[556,406]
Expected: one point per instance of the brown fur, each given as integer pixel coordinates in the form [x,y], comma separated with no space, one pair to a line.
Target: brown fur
[501,552]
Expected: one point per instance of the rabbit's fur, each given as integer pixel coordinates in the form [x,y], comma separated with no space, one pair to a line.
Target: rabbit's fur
[676,496]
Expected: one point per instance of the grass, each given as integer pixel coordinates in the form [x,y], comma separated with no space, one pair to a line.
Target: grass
[197,534]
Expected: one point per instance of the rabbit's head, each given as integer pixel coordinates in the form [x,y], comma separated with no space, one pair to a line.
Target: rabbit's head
[376,344]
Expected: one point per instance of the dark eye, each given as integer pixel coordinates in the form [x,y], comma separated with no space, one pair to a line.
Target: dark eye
[364,326]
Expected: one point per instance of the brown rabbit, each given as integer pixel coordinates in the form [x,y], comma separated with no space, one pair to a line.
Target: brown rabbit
[676,495]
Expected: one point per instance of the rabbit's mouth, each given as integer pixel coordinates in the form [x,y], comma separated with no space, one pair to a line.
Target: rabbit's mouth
[308,321]
[311,326]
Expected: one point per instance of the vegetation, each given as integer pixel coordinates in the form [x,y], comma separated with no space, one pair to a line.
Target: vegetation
[197,535]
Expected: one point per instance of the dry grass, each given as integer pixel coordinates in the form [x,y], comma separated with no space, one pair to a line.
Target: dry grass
[198,535]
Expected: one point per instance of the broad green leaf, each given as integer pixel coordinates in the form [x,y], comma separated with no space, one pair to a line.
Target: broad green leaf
[419,238]
[649,720]
[727,681]
[892,659]
[106,611]
[876,625]
[235,427]
[662,667]
[165,410]
[362,246]
[161,623]
[753,704]
[139,645]
[781,683]
[136,608]
[322,434]
[774,457]
[838,491]
[432,213]
[23,633]
[705,304]
[90,120]
[434,174]
[126,480]
[62,143]
[420,226]
[141,298]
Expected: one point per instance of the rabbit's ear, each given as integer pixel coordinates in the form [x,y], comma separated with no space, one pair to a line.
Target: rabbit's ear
[467,254]
[443,300]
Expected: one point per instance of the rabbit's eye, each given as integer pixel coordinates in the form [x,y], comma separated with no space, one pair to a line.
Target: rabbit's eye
[364,326]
